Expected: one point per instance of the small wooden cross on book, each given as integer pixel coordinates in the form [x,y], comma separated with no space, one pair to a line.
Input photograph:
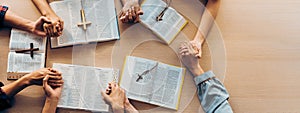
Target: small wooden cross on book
[31,50]
[83,22]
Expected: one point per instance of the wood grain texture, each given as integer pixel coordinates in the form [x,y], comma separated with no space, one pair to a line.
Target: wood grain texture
[256,54]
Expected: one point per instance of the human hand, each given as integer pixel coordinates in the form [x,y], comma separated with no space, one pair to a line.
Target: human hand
[52,92]
[197,46]
[188,57]
[55,27]
[198,42]
[36,77]
[131,11]
[116,98]
[52,95]
[37,26]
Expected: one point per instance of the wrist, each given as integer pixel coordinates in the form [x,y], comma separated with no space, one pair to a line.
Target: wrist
[50,106]
[25,80]
[197,71]
[30,26]
[129,108]
[117,108]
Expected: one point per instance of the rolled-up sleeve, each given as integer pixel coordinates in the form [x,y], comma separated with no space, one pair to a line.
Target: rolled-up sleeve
[212,94]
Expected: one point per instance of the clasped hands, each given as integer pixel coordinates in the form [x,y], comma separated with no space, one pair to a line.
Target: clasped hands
[130,11]
[50,27]
[50,79]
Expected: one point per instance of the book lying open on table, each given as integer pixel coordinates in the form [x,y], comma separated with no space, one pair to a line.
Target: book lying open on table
[100,13]
[20,63]
[152,82]
[170,25]
[82,86]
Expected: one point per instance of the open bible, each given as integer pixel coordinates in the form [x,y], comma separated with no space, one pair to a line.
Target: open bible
[152,82]
[20,59]
[170,25]
[82,86]
[101,15]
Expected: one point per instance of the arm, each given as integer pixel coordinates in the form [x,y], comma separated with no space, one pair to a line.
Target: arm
[44,8]
[116,98]
[206,23]
[13,20]
[52,95]
[57,24]
[211,92]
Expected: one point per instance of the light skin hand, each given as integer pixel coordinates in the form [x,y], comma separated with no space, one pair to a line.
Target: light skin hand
[37,26]
[130,11]
[197,43]
[36,77]
[57,24]
[189,59]
[116,98]
[52,95]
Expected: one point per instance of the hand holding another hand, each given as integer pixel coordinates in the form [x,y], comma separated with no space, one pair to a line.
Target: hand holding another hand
[188,57]
[130,11]
[36,77]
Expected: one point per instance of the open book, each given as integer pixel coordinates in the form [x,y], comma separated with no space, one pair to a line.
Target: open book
[82,86]
[22,63]
[152,82]
[171,24]
[101,14]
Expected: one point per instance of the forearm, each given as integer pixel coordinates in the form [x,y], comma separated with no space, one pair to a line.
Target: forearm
[50,105]
[212,93]
[13,20]
[207,19]
[13,88]
[44,8]
[127,108]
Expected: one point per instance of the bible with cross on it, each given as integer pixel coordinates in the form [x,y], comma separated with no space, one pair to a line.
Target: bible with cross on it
[31,50]
[83,22]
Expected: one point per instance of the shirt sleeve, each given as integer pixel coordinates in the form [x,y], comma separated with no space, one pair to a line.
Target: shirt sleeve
[4,100]
[212,94]
[3,10]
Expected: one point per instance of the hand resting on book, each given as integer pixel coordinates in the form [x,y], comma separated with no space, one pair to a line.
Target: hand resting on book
[116,98]
[130,11]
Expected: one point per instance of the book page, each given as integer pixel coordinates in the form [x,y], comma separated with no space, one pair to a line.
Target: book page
[167,86]
[64,10]
[83,85]
[169,27]
[141,90]
[101,14]
[104,20]
[23,63]
[21,40]
[160,86]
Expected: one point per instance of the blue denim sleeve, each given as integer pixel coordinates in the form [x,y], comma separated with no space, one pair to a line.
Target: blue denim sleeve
[212,94]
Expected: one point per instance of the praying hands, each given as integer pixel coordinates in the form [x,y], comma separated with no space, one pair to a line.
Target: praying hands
[130,11]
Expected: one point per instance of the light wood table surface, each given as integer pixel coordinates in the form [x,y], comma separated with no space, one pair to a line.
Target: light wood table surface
[253,48]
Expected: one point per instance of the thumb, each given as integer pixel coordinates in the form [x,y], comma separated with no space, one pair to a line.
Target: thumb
[106,98]
[40,33]
[46,86]
[140,12]
[45,19]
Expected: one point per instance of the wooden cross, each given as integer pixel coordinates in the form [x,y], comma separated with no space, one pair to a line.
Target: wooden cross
[83,22]
[31,50]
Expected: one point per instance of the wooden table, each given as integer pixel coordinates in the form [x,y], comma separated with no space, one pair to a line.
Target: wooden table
[253,48]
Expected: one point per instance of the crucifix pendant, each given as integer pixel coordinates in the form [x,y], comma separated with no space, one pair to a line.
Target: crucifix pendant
[83,22]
